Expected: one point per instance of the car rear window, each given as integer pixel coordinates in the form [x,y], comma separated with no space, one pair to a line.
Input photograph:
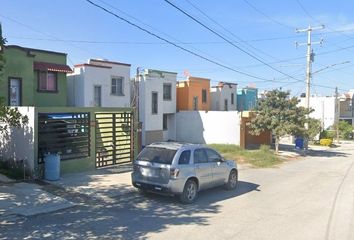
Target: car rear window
[157,155]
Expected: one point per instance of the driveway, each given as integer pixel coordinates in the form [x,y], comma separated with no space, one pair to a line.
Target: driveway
[312,198]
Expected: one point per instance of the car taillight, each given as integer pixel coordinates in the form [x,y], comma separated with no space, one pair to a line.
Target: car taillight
[174,172]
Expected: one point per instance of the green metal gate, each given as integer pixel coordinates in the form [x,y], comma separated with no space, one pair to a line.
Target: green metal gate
[113,138]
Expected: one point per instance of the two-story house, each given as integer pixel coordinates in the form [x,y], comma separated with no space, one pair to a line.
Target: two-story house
[157,105]
[34,77]
[193,94]
[346,107]
[223,97]
[247,98]
[99,83]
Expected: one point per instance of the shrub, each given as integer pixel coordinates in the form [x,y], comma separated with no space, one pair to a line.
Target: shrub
[326,142]
[327,134]
[264,148]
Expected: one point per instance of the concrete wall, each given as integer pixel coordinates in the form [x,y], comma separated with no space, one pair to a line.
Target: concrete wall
[324,109]
[208,127]
[18,145]
[96,73]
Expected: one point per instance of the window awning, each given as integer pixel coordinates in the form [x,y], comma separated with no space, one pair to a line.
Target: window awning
[54,67]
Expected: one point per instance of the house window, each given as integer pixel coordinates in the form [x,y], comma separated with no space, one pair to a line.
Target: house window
[117,86]
[167,91]
[47,81]
[164,122]
[154,104]
[232,99]
[204,96]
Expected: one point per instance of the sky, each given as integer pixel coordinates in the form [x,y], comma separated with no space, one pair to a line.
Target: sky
[248,42]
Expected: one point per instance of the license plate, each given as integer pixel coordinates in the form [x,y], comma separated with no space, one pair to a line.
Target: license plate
[148,172]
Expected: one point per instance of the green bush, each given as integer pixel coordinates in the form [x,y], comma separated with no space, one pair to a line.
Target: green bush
[264,148]
[327,134]
[326,142]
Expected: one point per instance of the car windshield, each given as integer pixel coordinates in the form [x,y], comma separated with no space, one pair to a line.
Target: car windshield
[157,155]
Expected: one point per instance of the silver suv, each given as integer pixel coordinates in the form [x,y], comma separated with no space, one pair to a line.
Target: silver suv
[182,170]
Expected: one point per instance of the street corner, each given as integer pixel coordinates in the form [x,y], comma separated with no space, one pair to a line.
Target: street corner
[28,199]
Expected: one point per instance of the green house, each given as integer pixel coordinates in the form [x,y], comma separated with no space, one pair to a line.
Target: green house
[34,77]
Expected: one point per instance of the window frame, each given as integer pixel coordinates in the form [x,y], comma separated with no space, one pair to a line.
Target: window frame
[165,122]
[153,112]
[232,99]
[117,79]
[46,77]
[168,98]
[204,96]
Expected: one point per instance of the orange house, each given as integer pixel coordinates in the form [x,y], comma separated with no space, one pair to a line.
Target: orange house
[193,94]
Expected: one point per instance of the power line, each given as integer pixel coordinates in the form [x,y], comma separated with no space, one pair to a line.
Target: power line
[172,43]
[230,42]
[266,16]
[226,30]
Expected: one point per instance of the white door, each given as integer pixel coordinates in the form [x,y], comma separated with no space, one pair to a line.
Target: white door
[15,92]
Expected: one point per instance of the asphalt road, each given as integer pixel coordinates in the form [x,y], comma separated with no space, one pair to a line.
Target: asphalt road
[311,198]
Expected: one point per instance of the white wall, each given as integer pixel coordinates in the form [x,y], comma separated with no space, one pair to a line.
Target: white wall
[324,109]
[19,144]
[208,127]
[82,82]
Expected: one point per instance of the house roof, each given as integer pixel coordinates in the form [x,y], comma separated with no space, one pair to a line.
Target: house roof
[109,62]
[34,49]
[44,66]
[91,65]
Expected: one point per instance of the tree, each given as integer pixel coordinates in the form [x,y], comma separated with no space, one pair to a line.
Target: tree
[345,129]
[279,114]
[314,128]
[9,117]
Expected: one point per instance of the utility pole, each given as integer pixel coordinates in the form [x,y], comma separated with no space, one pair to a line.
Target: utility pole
[337,115]
[309,59]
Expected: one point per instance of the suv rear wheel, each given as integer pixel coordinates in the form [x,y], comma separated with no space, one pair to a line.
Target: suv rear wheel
[190,192]
[232,182]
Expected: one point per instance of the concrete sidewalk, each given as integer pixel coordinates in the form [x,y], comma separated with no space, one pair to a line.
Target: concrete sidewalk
[101,184]
[27,199]
[21,199]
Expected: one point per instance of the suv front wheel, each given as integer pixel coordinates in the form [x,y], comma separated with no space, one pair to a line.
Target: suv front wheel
[190,192]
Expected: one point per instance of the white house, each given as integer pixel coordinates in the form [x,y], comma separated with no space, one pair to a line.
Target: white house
[157,105]
[99,83]
[223,97]
[325,109]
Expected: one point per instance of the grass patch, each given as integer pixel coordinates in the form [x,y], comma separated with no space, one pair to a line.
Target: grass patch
[263,157]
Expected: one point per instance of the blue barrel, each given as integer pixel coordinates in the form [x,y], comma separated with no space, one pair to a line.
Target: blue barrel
[299,143]
[52,167]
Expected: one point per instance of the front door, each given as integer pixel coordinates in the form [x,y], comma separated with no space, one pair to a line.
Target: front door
[14,91]
[97,96]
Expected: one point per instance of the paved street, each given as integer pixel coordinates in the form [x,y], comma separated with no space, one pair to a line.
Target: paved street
[312,198]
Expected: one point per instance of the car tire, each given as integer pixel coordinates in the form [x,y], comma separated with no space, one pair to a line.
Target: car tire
[232,181]
[190,192]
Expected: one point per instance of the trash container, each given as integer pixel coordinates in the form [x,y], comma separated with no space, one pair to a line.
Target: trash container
[299,143]
[52,167]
